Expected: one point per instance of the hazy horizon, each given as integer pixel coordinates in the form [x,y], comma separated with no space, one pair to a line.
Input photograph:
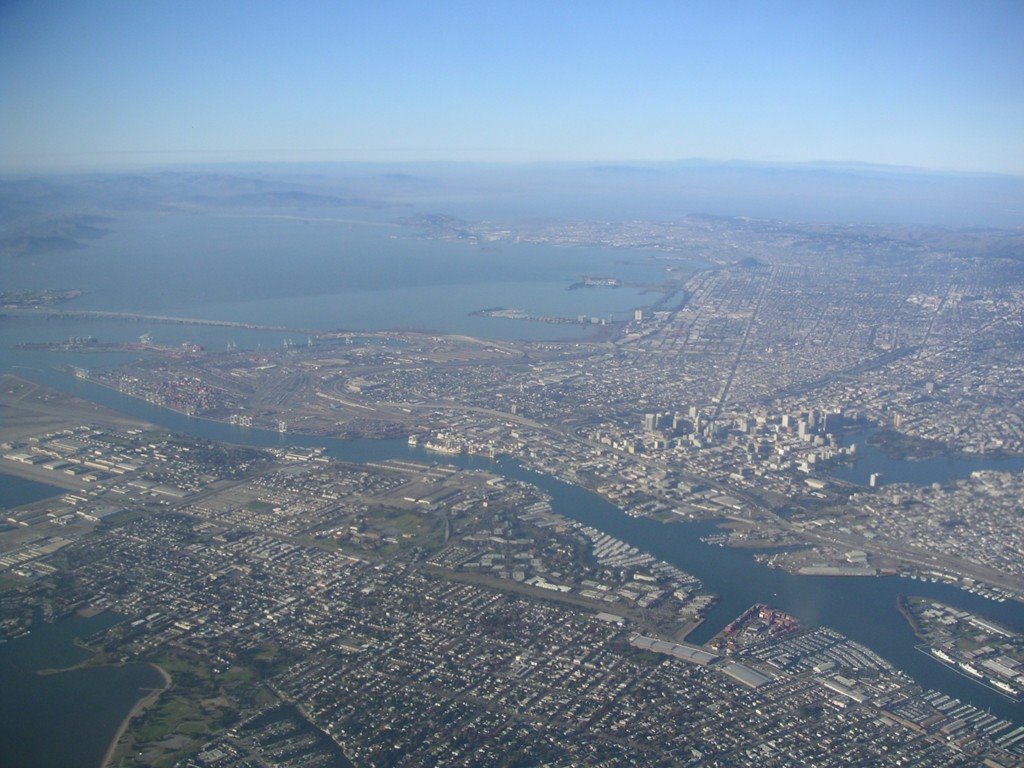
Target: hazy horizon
[809,192]
[625,164]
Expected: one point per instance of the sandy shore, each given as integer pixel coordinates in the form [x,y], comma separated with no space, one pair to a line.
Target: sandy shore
[140,706]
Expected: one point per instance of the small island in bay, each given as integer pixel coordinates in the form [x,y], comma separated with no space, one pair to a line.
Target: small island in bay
[33,298]
[589,281]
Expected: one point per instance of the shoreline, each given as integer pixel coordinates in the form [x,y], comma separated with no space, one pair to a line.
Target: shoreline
[86,662]
[900,447]
[904,611]
[925,647]
[212,420]
[137,709]
[927,650]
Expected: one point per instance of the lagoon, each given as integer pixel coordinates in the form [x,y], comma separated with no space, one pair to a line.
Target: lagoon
[934,469]
[66,719]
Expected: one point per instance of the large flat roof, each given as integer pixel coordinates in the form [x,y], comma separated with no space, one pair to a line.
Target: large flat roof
[681,651]
[741,673]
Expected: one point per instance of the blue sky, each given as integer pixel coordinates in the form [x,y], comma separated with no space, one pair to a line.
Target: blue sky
[111,84]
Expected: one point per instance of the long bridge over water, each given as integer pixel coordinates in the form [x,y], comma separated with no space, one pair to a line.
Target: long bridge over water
[133,317]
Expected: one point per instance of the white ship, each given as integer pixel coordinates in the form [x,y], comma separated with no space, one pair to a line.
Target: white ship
[970,670]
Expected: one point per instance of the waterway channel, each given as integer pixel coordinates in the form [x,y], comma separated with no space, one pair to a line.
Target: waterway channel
[863,609]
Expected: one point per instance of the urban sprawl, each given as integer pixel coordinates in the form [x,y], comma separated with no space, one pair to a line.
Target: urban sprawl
[309,610]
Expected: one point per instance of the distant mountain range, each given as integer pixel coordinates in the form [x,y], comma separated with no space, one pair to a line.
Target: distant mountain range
[40,214]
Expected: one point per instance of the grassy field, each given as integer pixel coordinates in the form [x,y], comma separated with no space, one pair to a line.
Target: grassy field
[198,705]
[260,506]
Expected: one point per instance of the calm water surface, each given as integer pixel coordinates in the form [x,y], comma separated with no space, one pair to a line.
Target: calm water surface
[330,275]
[936,469]
[15,491]
[67,719]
